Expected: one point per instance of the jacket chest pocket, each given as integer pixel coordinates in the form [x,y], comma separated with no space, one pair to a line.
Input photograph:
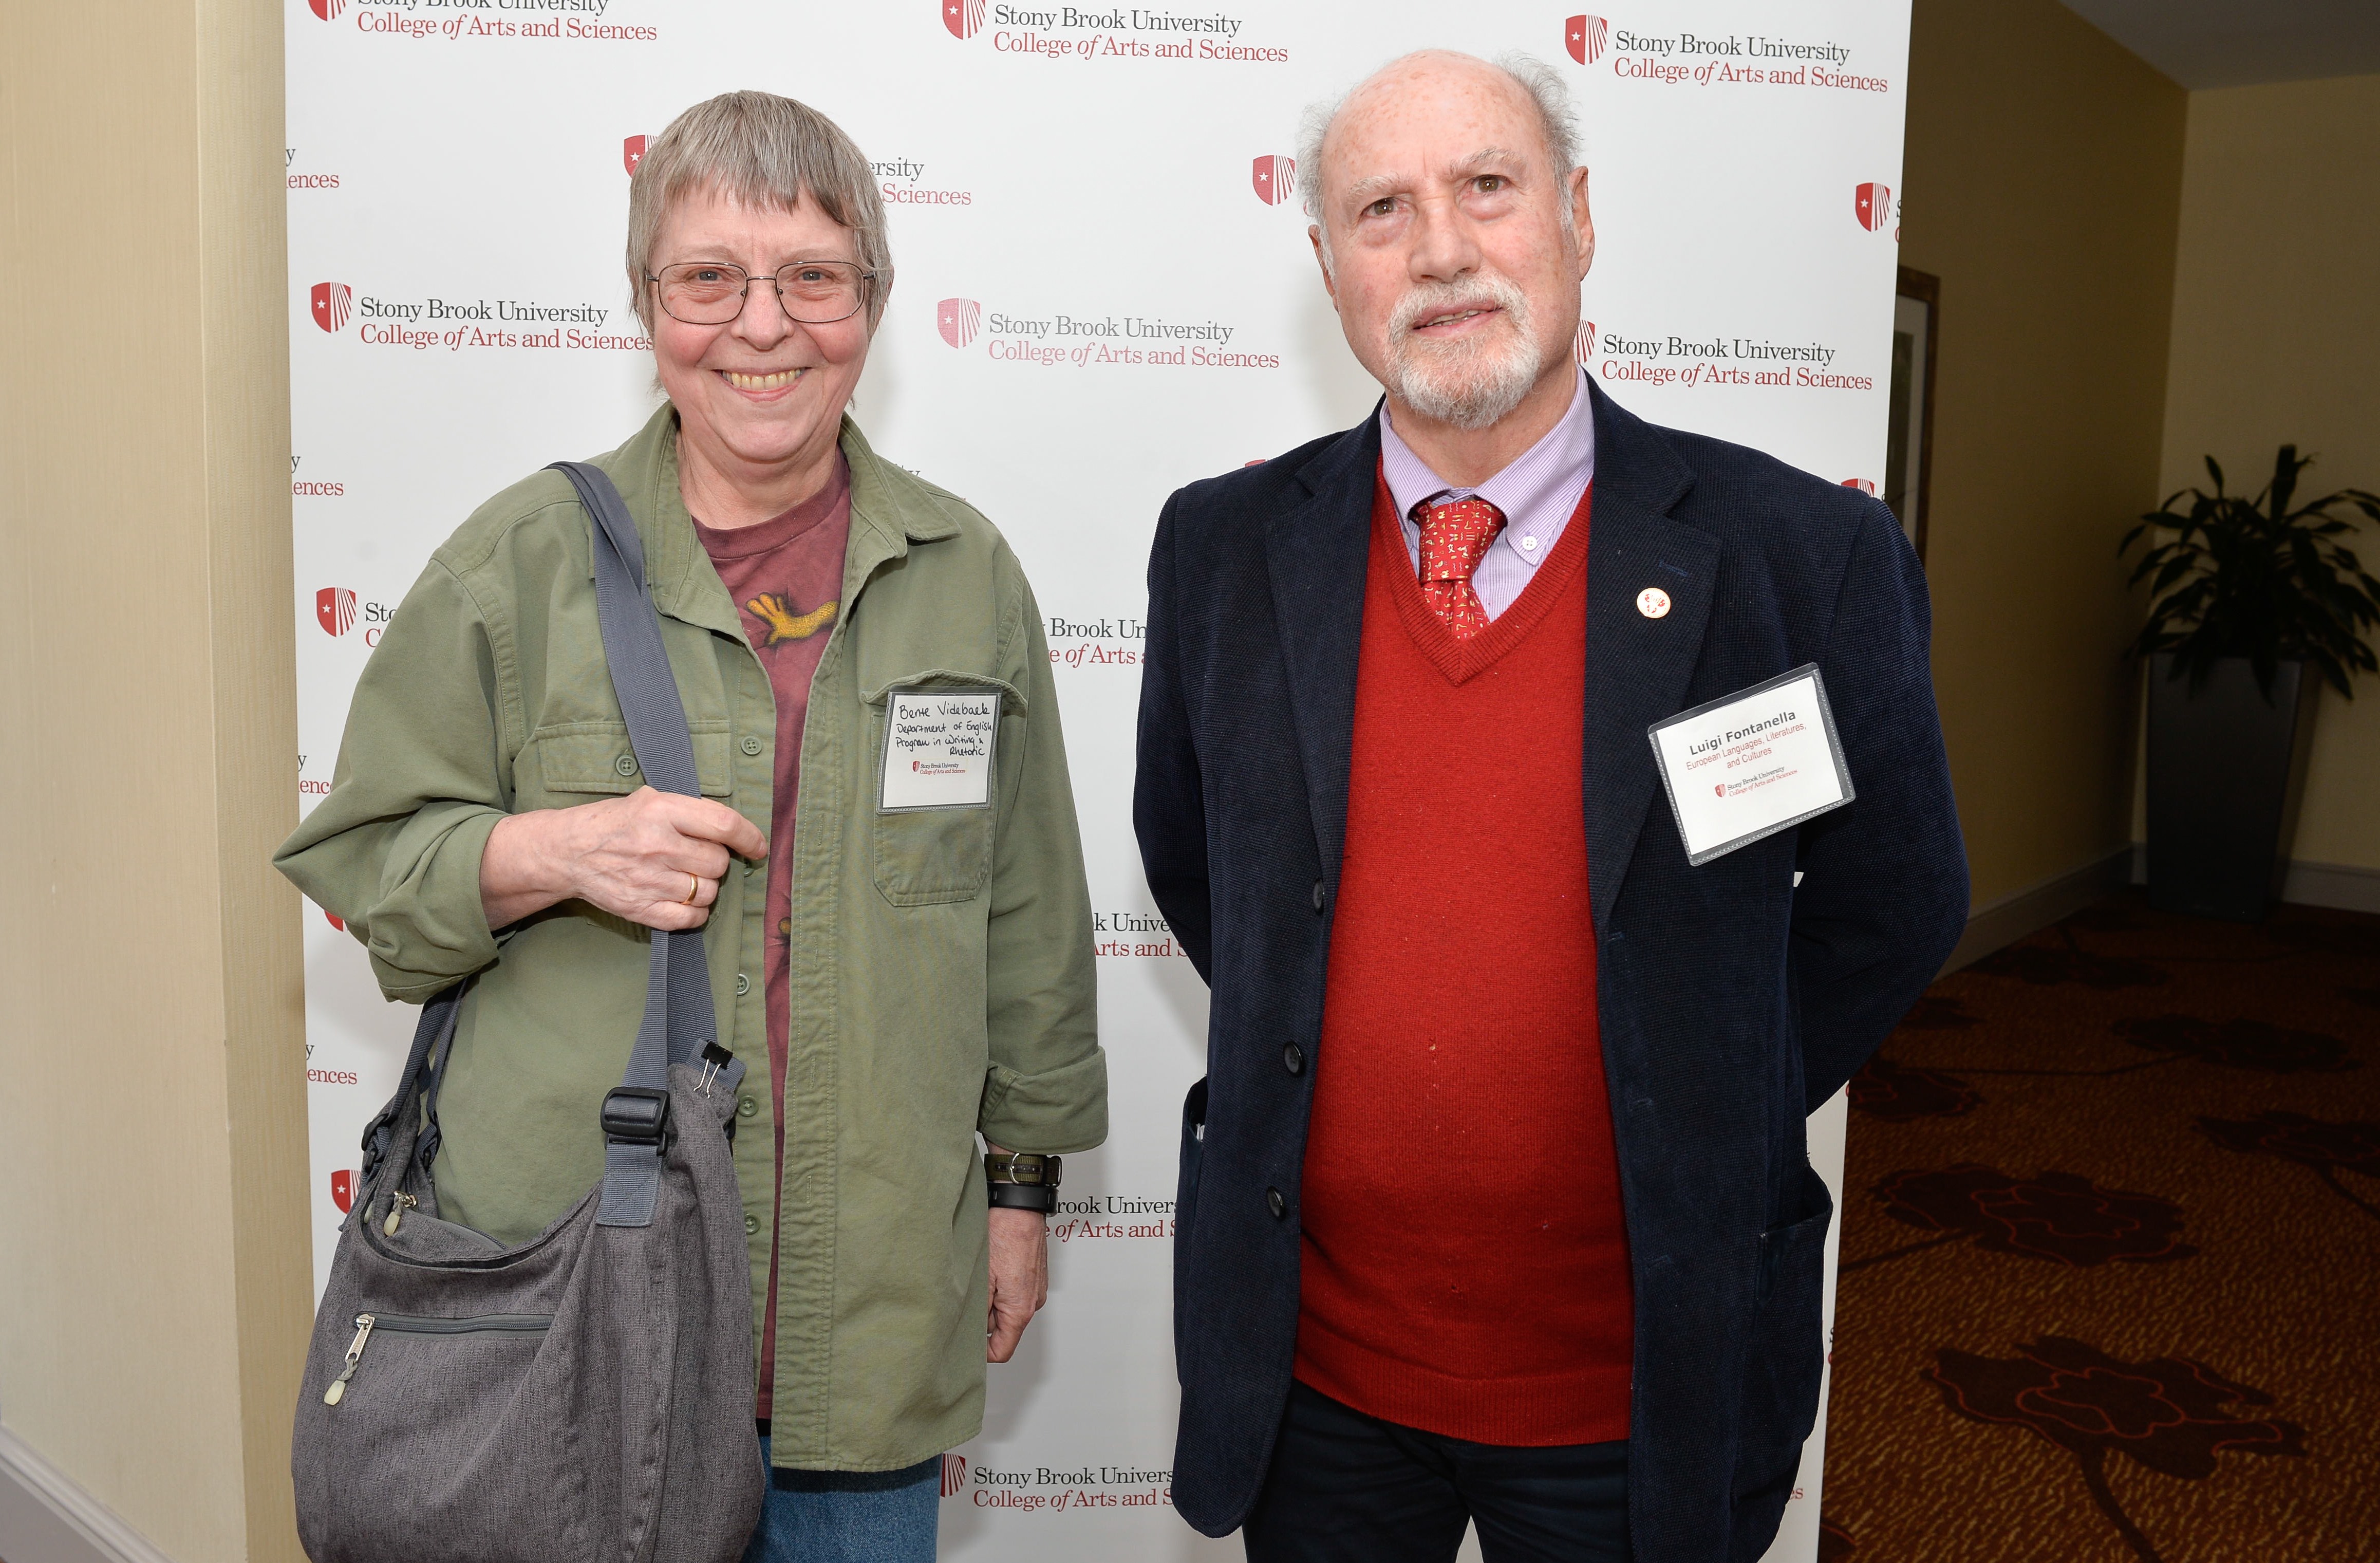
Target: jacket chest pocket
[928,856]
[584,759]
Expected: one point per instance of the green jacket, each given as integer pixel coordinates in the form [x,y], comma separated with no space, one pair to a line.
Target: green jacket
[942,981]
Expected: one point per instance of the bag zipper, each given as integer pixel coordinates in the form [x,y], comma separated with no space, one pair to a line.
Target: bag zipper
[416,1323]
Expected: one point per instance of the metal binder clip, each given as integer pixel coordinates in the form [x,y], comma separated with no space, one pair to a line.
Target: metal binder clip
[714,1059]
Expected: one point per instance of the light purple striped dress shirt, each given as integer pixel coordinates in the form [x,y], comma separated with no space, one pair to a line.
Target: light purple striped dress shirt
[1538,493]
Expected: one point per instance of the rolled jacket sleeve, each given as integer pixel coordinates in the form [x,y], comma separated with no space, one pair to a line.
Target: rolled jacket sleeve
[422,778]
[1047,1088]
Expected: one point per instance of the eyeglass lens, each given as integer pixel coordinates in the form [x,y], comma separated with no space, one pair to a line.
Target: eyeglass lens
[813,292]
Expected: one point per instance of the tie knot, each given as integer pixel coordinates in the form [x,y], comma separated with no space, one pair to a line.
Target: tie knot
[1455,536]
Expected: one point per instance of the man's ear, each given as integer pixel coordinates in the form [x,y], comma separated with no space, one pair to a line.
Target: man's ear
[1582,221]
[1314,237]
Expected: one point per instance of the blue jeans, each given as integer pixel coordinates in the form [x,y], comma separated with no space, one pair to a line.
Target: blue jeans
[848,1516]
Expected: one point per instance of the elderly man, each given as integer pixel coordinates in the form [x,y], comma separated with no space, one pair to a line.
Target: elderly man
[1495,1203]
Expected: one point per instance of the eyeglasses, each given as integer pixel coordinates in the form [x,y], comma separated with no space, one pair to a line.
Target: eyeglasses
[810,292]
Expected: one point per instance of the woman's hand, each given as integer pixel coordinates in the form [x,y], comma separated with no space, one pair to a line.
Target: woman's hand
[653,857]
[1020,1278]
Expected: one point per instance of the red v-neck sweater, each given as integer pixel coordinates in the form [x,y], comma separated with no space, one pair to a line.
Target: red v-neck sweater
[1465,1264]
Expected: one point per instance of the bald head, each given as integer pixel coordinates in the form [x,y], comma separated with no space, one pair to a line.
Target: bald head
[1525,83]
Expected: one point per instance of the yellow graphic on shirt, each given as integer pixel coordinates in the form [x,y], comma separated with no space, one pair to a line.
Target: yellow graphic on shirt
[784,623]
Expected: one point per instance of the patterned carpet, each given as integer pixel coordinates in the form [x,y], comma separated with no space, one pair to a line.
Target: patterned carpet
[2112,1254]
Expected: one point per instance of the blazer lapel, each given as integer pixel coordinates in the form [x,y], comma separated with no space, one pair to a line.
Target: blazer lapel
[1317,554]
[1637,668]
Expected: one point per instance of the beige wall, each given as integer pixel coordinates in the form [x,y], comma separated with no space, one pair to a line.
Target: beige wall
[155,1284]
[2043,176]
[2275,335]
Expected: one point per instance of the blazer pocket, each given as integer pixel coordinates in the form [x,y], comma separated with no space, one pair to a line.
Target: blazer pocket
[594,759]
[1786,1353]
[932,857]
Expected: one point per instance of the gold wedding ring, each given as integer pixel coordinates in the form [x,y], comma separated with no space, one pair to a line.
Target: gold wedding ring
[693,889]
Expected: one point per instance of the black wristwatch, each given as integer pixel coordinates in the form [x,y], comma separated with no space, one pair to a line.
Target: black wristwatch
[1022,1180]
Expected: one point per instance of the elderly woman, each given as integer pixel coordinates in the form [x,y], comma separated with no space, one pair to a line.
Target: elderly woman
[898,979]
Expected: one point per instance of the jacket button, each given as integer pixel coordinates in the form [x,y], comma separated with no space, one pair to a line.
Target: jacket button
[1318,895]
[1275,1203]
[1293,1058]
[742,984]
[751,744]
[751,1224]
[626,765]
[746,1107]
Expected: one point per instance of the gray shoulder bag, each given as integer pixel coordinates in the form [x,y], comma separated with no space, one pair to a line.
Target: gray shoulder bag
[586,1394]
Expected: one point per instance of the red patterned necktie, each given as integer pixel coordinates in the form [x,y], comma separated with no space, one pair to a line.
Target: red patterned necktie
[1454,537]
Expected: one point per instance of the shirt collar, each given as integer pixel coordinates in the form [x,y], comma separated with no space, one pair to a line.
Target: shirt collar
[1550,466]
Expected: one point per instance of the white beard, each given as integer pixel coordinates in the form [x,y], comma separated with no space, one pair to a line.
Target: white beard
[1473,383]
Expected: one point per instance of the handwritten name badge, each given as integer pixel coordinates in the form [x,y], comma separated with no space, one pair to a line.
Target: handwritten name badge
[938,747]
[1752,764]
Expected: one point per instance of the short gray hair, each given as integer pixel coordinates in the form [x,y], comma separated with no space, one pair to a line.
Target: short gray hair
[1556,118]
[763,151]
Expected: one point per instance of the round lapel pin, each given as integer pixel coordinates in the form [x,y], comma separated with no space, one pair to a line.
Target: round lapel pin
[1653,603]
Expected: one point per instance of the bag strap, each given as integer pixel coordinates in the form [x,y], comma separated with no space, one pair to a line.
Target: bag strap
[679,1021]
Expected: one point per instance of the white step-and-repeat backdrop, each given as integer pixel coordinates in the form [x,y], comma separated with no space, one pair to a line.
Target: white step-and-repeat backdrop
[1105,290]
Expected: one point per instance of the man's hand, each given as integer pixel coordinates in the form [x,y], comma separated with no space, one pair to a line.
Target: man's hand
[636,857]
[1020,1278]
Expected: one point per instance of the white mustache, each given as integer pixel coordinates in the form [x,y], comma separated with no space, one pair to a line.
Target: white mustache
[1432,300]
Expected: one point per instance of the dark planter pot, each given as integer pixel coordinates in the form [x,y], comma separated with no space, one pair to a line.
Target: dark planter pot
[2226,766]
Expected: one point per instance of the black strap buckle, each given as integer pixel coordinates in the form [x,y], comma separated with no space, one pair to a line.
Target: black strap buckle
[636,1114]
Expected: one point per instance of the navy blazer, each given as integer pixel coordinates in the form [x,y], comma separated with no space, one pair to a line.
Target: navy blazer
[1730,1002]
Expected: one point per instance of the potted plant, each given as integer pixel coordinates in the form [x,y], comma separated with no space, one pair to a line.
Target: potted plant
[2250,600]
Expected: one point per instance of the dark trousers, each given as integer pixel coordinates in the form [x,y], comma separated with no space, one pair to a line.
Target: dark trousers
[1348,1488]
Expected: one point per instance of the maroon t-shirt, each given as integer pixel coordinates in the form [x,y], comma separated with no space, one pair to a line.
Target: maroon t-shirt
[786,576]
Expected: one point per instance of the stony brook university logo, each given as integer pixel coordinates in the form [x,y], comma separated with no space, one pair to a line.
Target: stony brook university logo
[1862,484]
[1584,36]
[1585,342]
[343,1182]
[332,302]
[1274,179]
[632,152]
[334,610]
[958,320]
[329,11]
[953,1468]
[963,17]
[1872,204]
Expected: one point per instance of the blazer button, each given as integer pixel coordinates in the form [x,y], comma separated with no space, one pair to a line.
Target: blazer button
[1275,1203]
[742,984]
[751,1224]
[626,765]
[751,744]
[1318,895]
[1293,1058]
[746,1107]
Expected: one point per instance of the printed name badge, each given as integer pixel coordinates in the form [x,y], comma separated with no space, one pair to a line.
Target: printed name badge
[1752,764]
[938,747]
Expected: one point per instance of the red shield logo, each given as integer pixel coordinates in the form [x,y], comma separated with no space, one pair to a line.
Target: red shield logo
[1274,179]
[953,1476]
[1720,790]
[963,17]
[332,301]
[1585,342]
[1862,484]
[957,319]
[343,1182]
[1872,204]
[1584,36]
[335,609]
[329,11]
[632,152]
